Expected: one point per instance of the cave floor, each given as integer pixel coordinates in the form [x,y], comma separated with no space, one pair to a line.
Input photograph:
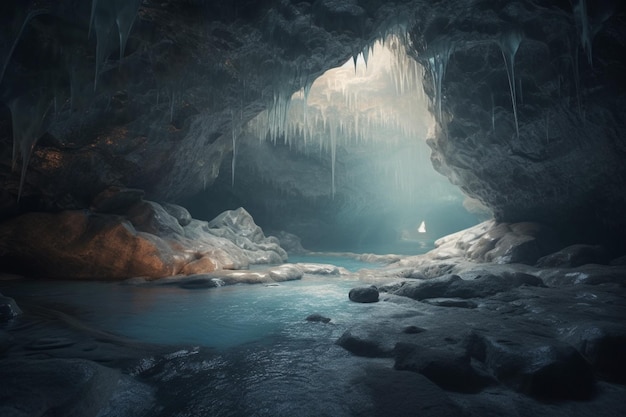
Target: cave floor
[509,353]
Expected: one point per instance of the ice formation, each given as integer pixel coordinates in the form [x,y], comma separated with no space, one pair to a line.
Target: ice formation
[509,44]
[29,114]
[105,16]
[437,56]
[350,105]
[34,12]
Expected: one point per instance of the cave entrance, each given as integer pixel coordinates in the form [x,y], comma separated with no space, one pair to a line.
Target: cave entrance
[344,163]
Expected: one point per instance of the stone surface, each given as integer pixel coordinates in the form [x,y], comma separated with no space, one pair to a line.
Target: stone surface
[575,255]
[145,240]
[69,387]
[317,318]
[364,294]
[8,308]
[162,116]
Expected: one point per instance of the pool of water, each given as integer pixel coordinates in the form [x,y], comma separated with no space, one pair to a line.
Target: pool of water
[217,317]
[351,264]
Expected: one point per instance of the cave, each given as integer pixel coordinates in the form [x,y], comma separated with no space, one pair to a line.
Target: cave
[306,208]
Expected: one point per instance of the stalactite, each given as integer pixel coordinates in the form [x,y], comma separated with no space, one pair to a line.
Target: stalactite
[509,44]
[29,114]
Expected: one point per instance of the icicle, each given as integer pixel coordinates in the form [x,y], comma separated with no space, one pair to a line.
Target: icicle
[438,55]
[509,44]
[31,15]
[28,115]
[104,22]
[126,12]
[234,159]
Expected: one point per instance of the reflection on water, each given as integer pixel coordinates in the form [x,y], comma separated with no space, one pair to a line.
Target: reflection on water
[248,349]
[218,317]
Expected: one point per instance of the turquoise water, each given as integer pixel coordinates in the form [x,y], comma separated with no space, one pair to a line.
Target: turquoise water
[351,264]
[221,317]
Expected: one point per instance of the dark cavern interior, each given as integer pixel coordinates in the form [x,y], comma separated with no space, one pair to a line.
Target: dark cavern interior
[312,208]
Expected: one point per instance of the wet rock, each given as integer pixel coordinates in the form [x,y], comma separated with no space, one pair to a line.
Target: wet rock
[452,371]
[47,343]
[361,344]
[8,308]
[6,340]
[451,302]
[452,286]
[286,272]
[604,346]
[317,318]
[538,367]
[364,294]
[405,394]
[64,387]
[589,274]
[413,330]
[319,269]
[573,256]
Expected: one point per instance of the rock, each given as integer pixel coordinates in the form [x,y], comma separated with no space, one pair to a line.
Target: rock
[451,302]
[286,272]
[405,394]
[545,369]
[604,346]
[178,212]
[364,294]
[452,286]
[48,343]
[239,227]
[64,387]
[450,370]
[319,269]
[199,266]
[6,340]
[82,245]
[363,345]
[413,330]
[8,309]
[573,256]
[116,200]
[290,242]
[151,217]
[317,318]
[589,274]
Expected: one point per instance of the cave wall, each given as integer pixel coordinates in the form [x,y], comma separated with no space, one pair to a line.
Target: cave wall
[161,117]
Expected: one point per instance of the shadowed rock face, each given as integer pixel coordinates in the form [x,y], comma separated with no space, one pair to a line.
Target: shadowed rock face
[161,118]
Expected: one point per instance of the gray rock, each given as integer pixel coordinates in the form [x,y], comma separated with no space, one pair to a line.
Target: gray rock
[178,212]
[364,294]
[450,370]
[363,345]
[538,367]
[116,200]
[406,394]
[60,387]
[8,308]
[317,318]
[573,256]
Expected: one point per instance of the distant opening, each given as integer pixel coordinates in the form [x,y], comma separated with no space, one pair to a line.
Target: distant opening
[350,169]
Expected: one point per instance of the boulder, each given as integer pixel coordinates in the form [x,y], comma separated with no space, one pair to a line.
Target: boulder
[450,370]
[542,368]
[286,272]
[364,294]
[178,212]
[116,200]
[573,256]
[8,309]
[361,344]
[62,387]
[317,318]
[452,286]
